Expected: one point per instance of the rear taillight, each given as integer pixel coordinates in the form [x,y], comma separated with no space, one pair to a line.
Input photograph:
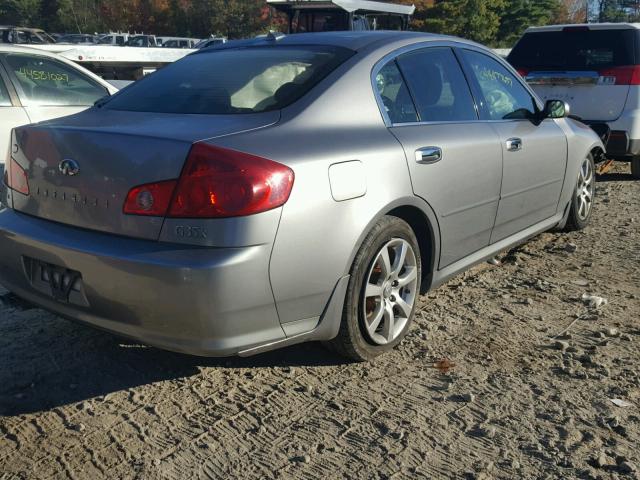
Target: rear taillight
[523,72]
[218,182]
[15,177]
[151,199]
[215,182]
[627,75]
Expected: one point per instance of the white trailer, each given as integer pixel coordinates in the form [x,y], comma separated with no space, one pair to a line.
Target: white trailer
[115,62]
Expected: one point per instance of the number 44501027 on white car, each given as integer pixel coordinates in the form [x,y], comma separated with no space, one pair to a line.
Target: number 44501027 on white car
[287,189]
[37,85]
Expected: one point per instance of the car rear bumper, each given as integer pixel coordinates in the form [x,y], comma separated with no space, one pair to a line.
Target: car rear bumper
[196,300]
[618,143]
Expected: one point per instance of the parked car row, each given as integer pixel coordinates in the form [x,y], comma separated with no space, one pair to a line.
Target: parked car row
[30,36]
[287,189]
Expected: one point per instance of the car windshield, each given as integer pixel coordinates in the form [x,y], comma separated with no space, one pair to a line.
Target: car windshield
[575,49]
[239,80]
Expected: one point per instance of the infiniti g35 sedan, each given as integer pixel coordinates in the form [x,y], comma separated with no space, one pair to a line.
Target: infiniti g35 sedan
[269,192]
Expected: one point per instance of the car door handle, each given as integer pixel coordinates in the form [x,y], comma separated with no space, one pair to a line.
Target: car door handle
[514,144]
[429,155]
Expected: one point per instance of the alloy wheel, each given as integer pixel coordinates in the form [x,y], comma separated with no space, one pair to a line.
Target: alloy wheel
[584,190]
[390,291]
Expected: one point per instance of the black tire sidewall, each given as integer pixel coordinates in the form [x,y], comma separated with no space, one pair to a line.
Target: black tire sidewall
[386,229]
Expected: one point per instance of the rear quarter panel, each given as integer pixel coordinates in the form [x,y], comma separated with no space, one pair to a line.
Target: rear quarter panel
[318,236]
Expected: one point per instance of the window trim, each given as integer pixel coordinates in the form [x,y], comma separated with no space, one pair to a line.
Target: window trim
[24,101]
[454,45]
[8,84]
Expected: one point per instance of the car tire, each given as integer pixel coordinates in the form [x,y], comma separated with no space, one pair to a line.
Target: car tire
[635,167]
[581,206]
[383,287]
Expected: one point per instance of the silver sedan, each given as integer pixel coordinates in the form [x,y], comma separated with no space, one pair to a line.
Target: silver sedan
[269,192]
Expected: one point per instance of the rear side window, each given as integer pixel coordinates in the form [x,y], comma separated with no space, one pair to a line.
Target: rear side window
[5,101]
[438,86]
[575,50]
[395,95]
[242,80]
[47,82]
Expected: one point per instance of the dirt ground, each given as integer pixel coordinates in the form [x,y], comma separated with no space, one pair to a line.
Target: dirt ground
[506,373]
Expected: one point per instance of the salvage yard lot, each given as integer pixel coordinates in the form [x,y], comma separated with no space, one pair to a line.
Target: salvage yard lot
[480,388]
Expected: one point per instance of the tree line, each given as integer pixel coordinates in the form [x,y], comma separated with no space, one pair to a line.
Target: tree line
[493,22]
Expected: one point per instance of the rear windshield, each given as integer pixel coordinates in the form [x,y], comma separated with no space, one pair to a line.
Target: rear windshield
[575,50]
[240,80]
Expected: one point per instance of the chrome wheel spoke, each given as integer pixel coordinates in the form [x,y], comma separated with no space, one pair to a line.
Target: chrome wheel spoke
[582,209]
[375,322]
[388,327]
[373,290]
[385,262]
[401,255]
[404,306]
[410,274]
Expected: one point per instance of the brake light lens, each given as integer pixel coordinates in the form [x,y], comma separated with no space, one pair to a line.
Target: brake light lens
[523,72]
[626,75]
[15,177]
[215,182]
[151,199]
[218,182]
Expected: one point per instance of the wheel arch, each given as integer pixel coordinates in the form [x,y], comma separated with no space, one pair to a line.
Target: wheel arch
[425,233]
[423,221]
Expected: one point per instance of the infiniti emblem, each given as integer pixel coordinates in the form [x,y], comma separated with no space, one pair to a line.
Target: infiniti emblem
[69,167]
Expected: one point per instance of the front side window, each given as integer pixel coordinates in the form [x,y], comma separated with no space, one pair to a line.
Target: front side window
[395,95]
[504,97]
[47,82]
[438,86]
[239,80]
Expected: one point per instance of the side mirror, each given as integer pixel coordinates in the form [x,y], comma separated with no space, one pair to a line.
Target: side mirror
[556,109]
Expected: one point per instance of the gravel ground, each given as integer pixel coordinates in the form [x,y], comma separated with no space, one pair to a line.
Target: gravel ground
[506,373]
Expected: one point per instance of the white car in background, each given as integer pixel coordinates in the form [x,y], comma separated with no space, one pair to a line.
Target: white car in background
[37,86]
[595,68]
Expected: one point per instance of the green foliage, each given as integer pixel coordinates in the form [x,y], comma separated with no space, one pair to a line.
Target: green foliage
[478,20]
[197,18]
[492,22]
[19,11]
[520,14]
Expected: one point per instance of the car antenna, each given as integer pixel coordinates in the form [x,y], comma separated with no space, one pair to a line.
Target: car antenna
[274,36]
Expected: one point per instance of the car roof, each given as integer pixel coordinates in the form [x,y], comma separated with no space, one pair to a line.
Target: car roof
[354,40]
[589,26]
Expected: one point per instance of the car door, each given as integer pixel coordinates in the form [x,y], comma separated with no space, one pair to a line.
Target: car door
[11,115]
[49,88]
[534,150]
[454,159]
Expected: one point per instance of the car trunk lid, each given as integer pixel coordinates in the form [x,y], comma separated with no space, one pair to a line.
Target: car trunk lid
[113,152]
